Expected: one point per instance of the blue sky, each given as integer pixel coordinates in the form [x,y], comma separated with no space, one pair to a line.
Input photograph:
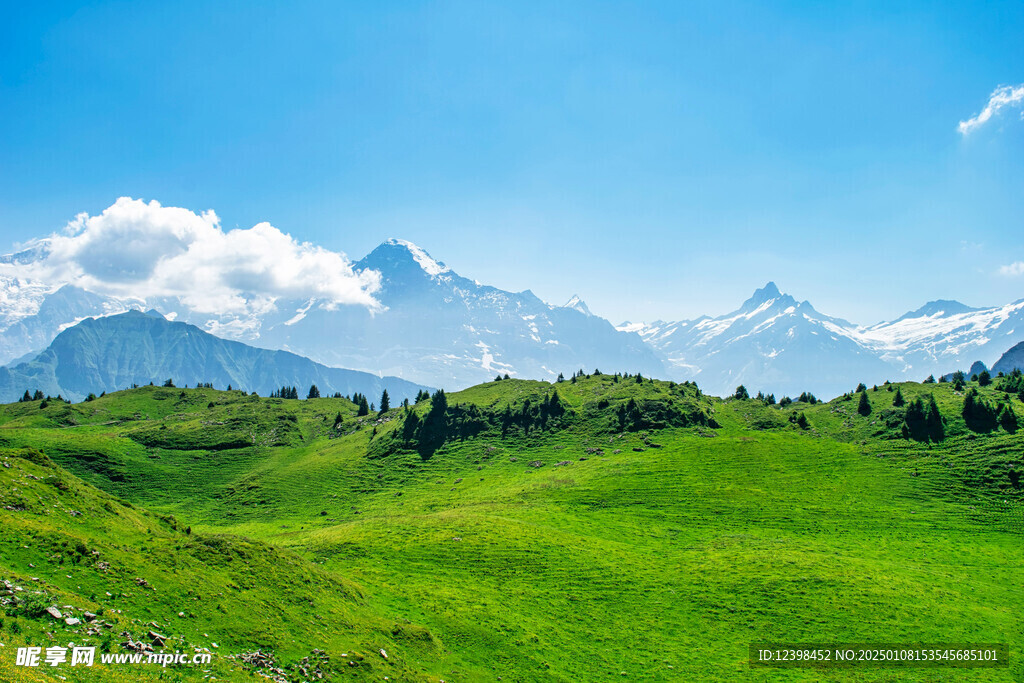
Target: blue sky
[660,159]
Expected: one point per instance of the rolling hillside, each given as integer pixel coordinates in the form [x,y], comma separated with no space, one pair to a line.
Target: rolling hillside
[596,529]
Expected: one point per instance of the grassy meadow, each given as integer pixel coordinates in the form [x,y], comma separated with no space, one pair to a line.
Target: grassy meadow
[644,531]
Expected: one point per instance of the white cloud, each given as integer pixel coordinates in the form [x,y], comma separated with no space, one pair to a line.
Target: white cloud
[145,250]
[1004,96]
[1015,269]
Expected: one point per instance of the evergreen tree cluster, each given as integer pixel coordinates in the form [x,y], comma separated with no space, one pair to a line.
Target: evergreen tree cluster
[800,420]
[444,422]
[362,404]
[1012,384]
[26,398]
[285,392]
[923,422]
[982,416]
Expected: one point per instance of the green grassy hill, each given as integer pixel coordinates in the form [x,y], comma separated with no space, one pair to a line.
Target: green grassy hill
[596,529]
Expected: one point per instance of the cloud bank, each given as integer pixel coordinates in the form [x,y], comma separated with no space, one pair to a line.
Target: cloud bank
[1005,96]
[144,250]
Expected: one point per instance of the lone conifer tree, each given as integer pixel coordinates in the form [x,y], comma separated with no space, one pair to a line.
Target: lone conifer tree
[385,402]
[864,406]
[897,400]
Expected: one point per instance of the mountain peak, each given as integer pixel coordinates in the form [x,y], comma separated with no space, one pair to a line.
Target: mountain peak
[762,296]
[769,291]
[396,251]
[940,308]
[577,304]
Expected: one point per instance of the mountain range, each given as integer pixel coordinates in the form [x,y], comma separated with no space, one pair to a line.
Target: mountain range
[775,343]
[436,327]
[115,352]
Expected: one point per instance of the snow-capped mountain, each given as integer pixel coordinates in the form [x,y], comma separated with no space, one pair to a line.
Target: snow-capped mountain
[945,335]
[32,314]
[443,329]
[434,326]
[773,343]
[577,304]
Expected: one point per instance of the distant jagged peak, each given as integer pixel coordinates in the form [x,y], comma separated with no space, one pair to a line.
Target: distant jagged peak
[577,304]
[766,295]
[940,308]
[403,252]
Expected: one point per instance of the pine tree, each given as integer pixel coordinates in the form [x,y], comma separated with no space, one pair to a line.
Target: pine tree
[802,422]
[314,392]
[984,378]
[741,393]
[933,421]
[863,405]
[434,429]
[410,427]
[979,416]
[364,406]
[898,400]
[1008,419]
[26,398]
[385,402]
[930,379]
